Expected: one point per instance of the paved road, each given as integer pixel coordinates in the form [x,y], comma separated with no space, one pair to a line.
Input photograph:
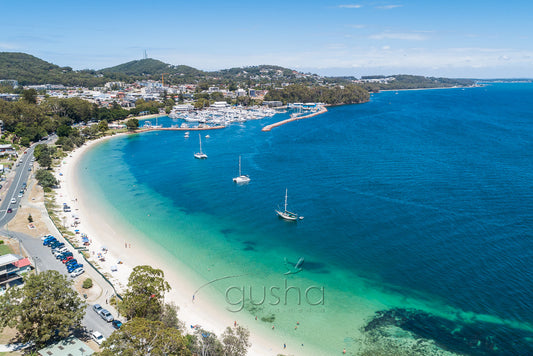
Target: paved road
[42,257]
[22,172]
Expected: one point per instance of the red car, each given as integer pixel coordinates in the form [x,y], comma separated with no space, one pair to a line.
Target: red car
[68,259]
[9,210]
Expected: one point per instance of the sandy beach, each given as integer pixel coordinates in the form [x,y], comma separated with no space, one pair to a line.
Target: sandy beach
[120,252]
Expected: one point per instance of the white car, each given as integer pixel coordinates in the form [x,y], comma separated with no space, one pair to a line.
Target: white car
[77,272]
[97,337]
[13,201]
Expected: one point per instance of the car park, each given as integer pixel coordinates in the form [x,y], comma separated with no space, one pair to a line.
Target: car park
[97,337]
[106,315]
[77,272]
[116,324]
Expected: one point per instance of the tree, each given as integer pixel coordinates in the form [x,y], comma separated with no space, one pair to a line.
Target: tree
[206,343]
[63,130]
[45,160]
[43,310]
[45,178]
[132,124]
[236,341]
[30,96]
[145,337]
[169,316]
[103,126]
[144,297]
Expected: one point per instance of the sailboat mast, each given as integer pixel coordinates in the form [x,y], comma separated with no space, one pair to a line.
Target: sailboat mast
[286,199]
[200,137]
[240,166]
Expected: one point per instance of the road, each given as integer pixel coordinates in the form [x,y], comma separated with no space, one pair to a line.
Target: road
[41,255]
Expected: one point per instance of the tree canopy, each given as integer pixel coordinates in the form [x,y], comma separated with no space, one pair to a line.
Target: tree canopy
[140,336]
[43,310]
[144,297]
[349,94]
[45,178]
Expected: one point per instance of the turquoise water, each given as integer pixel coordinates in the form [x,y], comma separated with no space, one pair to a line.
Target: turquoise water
[418,214]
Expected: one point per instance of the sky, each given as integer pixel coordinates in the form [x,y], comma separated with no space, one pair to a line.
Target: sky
[444,38]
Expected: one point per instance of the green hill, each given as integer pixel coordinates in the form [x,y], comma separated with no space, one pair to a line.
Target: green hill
[153,69]
[27,69]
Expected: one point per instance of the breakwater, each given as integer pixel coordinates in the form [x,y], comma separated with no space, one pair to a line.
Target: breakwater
[279,123]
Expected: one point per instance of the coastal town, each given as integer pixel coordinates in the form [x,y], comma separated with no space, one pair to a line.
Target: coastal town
[51,232]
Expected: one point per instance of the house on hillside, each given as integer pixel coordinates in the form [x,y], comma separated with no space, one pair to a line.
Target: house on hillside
[7,150]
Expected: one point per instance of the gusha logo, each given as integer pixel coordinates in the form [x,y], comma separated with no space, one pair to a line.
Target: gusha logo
[236,296]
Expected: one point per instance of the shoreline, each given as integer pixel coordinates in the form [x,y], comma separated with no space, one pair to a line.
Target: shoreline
[103,230]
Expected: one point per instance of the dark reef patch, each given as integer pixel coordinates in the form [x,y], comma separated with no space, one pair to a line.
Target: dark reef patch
[478,338]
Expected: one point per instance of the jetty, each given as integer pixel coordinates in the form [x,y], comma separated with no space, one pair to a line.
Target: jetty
[279,123]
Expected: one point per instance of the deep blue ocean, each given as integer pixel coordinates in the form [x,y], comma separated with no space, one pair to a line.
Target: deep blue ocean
[428,194]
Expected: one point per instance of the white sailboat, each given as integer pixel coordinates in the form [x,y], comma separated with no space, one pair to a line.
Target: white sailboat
[287,215]
[241,179]
[200,155]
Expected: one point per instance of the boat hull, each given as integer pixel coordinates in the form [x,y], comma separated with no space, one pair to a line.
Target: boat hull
[287,215]
[241,179]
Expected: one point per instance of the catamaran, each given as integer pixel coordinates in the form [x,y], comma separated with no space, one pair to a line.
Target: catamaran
[241,179]
[287,215]
[200,155]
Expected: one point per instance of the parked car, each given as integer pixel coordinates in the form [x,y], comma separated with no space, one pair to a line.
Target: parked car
[74,267]
[71,263]
[106,315]
[116,324]
[97,337]
[56,244]
[59,250]
[77,272]
[97,308]
[49,241]
[66,259]
[64,255]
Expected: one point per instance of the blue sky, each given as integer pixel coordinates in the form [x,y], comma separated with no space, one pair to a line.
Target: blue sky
[452,38]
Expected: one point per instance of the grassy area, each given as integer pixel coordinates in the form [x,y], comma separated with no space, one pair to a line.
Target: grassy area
[4,250]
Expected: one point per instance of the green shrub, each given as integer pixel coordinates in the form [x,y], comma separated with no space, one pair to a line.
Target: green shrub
[88,283]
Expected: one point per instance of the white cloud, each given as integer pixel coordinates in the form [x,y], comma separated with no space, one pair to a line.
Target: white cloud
[388,7]
[385,48]
[399,36]
[350,6]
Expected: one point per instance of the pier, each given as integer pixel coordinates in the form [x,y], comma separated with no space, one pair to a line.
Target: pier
[279,123]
